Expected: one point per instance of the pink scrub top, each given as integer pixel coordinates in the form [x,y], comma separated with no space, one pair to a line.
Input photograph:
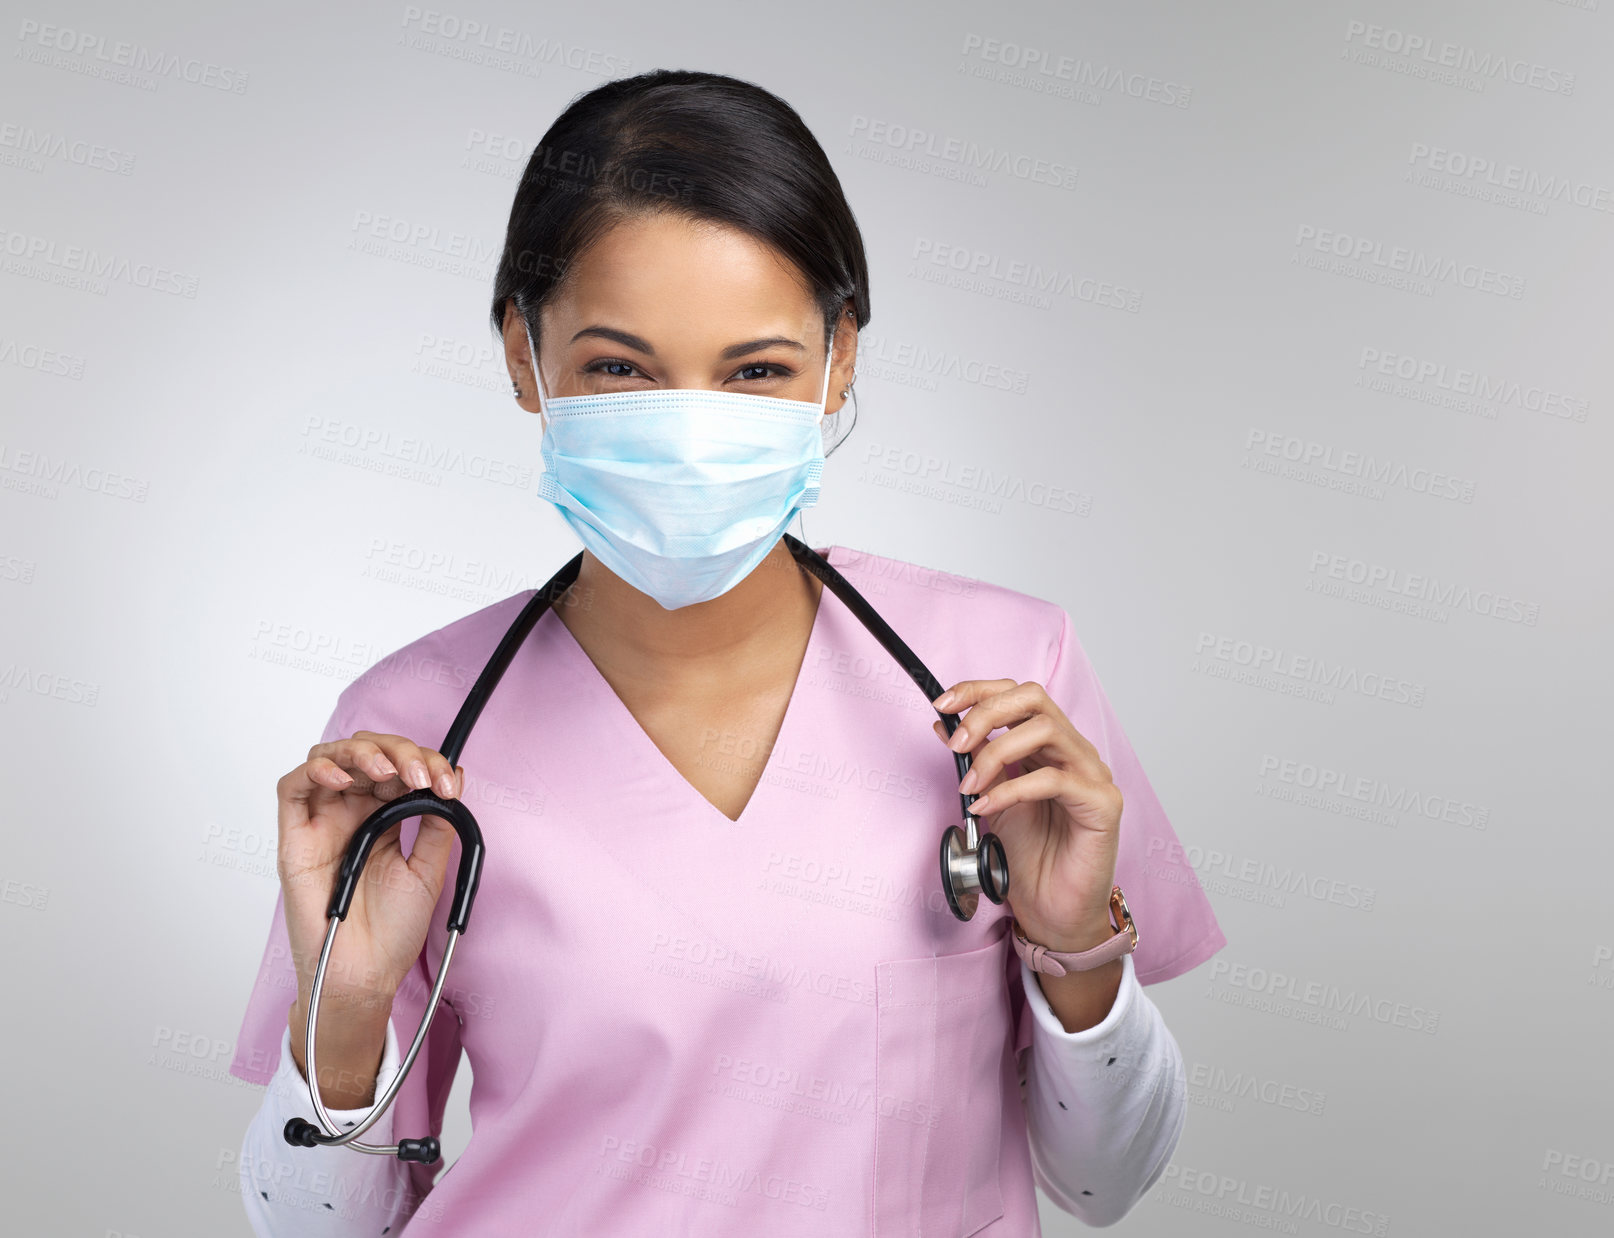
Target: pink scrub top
[681,1024]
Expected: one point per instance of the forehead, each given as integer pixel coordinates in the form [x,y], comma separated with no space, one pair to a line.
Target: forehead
[673,275]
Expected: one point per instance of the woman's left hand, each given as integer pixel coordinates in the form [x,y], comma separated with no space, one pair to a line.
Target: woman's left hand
[1059,820]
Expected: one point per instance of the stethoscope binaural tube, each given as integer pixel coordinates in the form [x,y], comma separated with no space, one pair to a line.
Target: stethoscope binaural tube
[299,1131]
[972,863]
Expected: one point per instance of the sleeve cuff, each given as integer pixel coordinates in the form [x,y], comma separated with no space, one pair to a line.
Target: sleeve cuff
[290,1089]
[313,1192]
[1110,1027]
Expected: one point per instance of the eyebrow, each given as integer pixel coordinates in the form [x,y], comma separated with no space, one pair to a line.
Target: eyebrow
[732,351]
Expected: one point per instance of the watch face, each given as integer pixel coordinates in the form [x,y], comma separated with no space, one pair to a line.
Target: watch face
[1122,916]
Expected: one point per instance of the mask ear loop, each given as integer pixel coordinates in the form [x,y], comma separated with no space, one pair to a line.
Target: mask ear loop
[537,378]
[823,415]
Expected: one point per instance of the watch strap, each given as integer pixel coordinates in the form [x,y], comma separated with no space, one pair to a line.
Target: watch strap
[1058,963]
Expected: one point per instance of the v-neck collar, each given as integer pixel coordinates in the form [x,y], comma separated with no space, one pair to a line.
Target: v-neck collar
[622,721]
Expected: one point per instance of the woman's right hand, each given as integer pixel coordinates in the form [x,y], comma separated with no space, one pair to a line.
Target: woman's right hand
[322,803]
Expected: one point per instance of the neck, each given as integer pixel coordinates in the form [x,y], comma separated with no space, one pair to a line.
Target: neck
[763,617]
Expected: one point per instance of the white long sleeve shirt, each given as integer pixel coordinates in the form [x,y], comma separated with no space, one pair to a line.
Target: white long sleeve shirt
[1104,1106]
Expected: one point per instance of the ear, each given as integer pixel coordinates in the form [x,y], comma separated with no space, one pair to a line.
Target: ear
[518,360]
[844,367]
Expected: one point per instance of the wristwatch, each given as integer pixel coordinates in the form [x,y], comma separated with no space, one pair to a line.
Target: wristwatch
[1057,963]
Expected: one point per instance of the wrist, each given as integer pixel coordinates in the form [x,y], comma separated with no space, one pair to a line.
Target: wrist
[344,1035]
[1069,939]
[1081,1000]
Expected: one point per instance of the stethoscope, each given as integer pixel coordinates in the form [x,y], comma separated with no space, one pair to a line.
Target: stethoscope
[972,862]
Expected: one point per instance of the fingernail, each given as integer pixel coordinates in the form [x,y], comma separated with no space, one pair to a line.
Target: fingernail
[970,781]
[419,776]
[960,739]
[445,784]
[944,700]
[383,767]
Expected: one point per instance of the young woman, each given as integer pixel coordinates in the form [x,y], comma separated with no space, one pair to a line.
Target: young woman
[713,985]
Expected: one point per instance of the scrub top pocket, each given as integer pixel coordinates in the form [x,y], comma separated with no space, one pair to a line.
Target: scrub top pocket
[942,1030]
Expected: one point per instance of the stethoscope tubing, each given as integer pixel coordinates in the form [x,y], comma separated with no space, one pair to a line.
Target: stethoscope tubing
[350,1137]
[969,860]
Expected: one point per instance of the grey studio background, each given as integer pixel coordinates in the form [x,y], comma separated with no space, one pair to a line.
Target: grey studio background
[1269,339]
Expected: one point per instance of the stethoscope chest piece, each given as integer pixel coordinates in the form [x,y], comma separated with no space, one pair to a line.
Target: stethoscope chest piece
[968,872]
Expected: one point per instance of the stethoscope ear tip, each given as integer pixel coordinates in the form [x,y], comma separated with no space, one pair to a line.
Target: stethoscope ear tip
[301,1133]
[426,1150]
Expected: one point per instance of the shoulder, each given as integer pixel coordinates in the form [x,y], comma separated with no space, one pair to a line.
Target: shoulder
[960,617]
[430,675]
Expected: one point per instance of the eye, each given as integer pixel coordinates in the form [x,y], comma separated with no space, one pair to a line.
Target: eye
[780,371]
[752,372]
[601,366]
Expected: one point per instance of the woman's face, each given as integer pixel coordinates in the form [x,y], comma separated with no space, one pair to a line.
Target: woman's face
[662,301]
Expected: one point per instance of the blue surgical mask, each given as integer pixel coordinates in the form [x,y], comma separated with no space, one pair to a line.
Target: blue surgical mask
[680,492]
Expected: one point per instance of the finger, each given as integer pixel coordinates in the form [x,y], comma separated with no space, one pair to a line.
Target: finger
[301,796]
[410,760]
[441,771]
[967,692]
[1008,708]
[1001,705]
[434,843]
[319,774]
[983,781]
[1051,741]
[1079,797]
[324,772]
[389,756]
[428,858]
[359,754]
